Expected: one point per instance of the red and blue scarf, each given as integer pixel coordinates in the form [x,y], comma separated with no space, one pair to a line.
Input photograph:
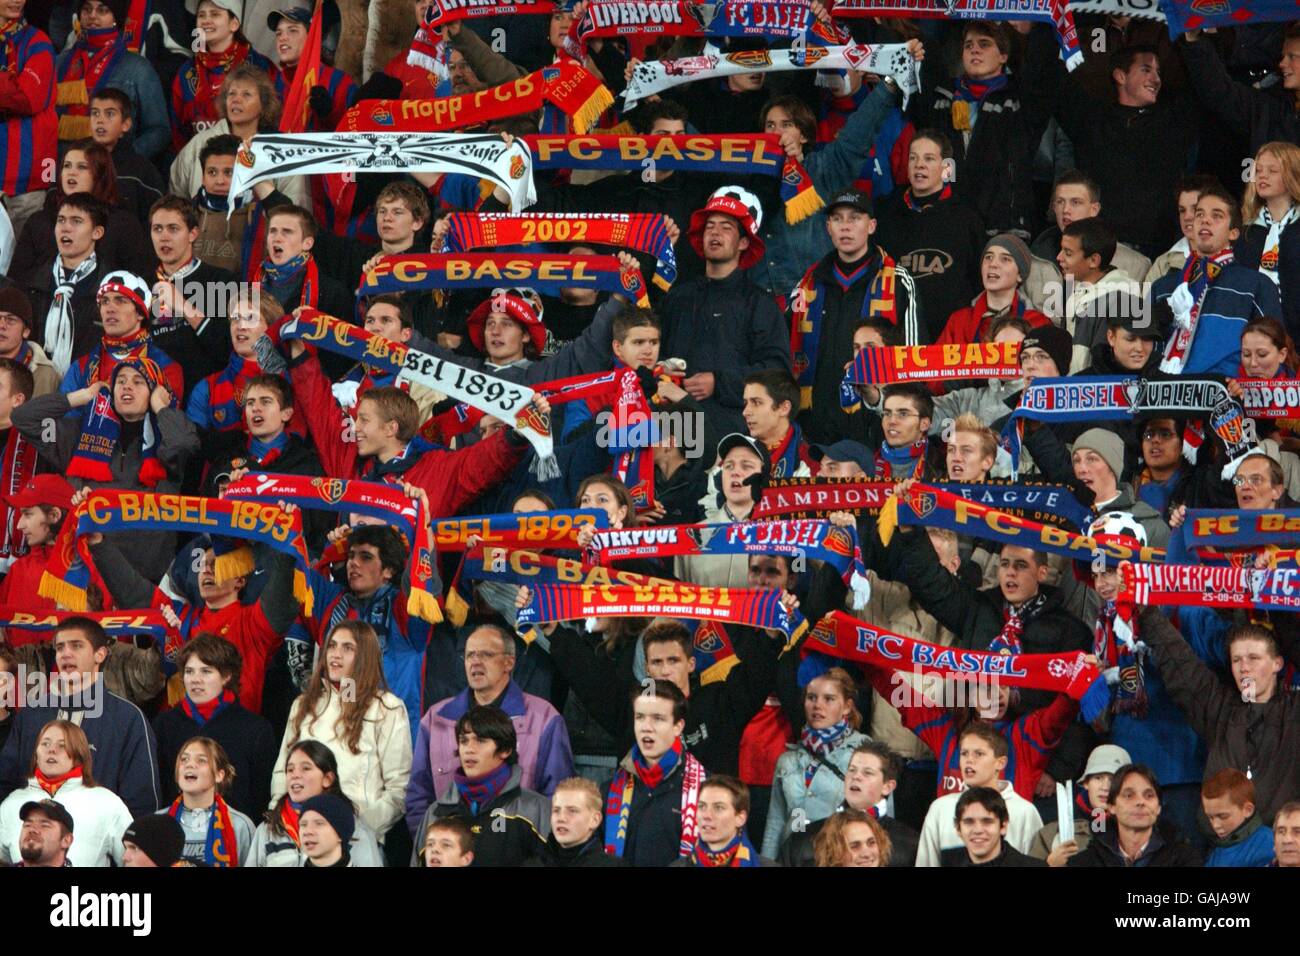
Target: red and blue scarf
[915,205]
[887,457]
[226,392]
[93,61]
[101,429]
[788,455]
[618,807]
[220,848]
[279,280]
[968,96]
[819,743]
[478,792]
[1112,651]
[202,713]
[739,852]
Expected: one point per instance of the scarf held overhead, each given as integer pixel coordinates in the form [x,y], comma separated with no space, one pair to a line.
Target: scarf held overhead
[1196,585]
[476,155]
[536,529]
[738,154]
[643,232]
[818,497]
[935,363]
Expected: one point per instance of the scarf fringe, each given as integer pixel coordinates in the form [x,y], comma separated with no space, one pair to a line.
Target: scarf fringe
[424,606]
[63,592]
[586,116]
[72,93]
[234,564]
[802,205]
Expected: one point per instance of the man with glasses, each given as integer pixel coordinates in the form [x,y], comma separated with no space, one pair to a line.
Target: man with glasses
[906,416]
[545,755]
[1163,468]
[16,343]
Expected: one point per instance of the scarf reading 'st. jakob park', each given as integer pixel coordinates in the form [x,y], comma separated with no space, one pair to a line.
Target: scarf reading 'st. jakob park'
[546,273]
[111,510]
[818,540]
[887,59]
[370,498]
[932,507]
[738,154]
[507,401]
[1120,398]
[643,232]
[761,607]
[847,638]
[566,86]
[477,155]
[935,363]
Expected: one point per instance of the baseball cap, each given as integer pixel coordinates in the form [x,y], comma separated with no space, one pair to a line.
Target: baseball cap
[737,440]
[51,808]
[854,198]
[51,490]
[297,14]
[844,450]
[1105,759]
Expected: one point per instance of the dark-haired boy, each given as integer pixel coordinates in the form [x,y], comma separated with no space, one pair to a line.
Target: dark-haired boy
[982,819]
[139,184]
[225,241]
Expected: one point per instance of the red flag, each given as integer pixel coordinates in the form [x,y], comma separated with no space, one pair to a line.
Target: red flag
[137,22]
[297,100]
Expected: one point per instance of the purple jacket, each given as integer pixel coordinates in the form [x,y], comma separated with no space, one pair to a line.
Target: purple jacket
[545,755]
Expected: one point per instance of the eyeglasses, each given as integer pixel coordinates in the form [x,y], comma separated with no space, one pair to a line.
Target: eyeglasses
[903,413]
[1157,434]
[1255,481]
[1033,356]
[481,655]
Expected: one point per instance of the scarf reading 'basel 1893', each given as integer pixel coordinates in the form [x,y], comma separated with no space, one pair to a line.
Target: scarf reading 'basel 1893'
[618,807]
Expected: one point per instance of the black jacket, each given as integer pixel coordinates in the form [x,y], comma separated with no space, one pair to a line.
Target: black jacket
[124,246]
[825,422]
[903,841]
[246,737]
[994,166]
[504,833]
[729,327]
[206,350]
[1266,115]
[1010,856]
[591,853]
[940,244]
[1166,848]
[716,713]
[1247,252]
[139,184]
[38,283]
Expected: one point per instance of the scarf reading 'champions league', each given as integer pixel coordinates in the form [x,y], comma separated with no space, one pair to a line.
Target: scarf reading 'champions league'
[507,401]
[548,274]
[818,540]
[932,507]
[374,499]
[755,607]
[1117,398]
[644,232]
[848,638]
[110,510]
[738,154]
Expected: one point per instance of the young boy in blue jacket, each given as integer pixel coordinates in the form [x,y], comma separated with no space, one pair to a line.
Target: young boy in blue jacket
[1240,836]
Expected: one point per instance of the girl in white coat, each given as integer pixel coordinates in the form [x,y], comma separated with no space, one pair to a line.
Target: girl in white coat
[348,708]
[61,771]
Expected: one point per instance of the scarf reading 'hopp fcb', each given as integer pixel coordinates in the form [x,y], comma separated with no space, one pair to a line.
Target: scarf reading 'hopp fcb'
[755,607]
[1197,585]
[146,621]
[1117,398]
[1054,12]
[818,497]
[934,363]
[477,155]
[618,807]
[808,300]
[566,86]
[738,154]
[931,507]
[848,638]
[491,395]
[815,539]
[370,498]
[547,274]
[112,510]
[889,59]
[220,847]
[644,232]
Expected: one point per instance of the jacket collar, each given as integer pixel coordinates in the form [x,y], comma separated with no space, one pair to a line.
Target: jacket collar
[513,703]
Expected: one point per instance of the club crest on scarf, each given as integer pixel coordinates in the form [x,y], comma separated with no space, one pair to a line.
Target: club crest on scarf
[331,489]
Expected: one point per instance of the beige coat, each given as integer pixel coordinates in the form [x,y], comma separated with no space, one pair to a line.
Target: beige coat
[374,779]
[187,174]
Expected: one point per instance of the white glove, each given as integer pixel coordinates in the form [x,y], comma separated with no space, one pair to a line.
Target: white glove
[1181,302]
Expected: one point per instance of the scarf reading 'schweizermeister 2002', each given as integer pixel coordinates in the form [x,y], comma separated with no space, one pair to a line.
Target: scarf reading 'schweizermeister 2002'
[1119,398]
[816,539]
[755,607]
[110,510]
[507,401]
[374,499]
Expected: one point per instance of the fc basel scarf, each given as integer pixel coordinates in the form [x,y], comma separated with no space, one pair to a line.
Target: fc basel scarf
[444,12]
[374,499]
[493,396]
[536,529]
[818,540]
[566,86]
[1197,585]
[738,153]
[818,497]
[761,607]
[117,623]
[1050,504]
[1117,398]
[111,510]
[220,847]
[477,155]
[546,273]
[935,363]
[1184,15]
[644,232]
[850,639]
[1054,12]
[931,507]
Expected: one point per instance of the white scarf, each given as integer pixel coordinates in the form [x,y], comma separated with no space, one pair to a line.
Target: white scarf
[890,59]
[1273,241]
[59,321]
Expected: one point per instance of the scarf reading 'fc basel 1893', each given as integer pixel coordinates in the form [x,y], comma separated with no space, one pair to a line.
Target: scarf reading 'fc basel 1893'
[738,154]
[818,540]
[644,232]
[110,510]
[370,498]
[618,807]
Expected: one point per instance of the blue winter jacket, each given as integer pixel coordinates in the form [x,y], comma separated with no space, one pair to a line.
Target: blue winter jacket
[1254,849]
[1237,296]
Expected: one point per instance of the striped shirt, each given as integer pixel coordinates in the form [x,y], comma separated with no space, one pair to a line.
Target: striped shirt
[29,126]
